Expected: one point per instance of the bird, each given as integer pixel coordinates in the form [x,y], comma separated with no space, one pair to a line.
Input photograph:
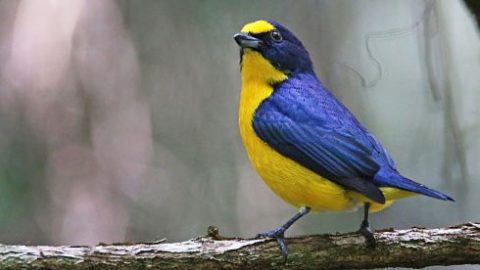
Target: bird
[304,143]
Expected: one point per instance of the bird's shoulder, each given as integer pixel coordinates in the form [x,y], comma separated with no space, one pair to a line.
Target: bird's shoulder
[303,103]
[302,122]
[305,100]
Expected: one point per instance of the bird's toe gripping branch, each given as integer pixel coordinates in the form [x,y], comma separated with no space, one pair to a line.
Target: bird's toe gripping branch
[279,235]
[368,234]
[365,227]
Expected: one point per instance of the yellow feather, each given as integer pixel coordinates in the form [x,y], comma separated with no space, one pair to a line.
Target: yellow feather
[257,27]
[390,194]
[291,181]
[288,179]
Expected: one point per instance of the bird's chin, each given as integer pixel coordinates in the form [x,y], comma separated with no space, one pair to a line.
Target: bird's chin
[248,50]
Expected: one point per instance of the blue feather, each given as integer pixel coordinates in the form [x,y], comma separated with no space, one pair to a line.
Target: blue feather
[303,121]
[394,179]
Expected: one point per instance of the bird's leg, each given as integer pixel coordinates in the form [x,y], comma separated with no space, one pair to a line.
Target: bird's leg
[365,227]
[279,233]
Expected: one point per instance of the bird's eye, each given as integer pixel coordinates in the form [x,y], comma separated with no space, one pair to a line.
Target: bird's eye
[276,36]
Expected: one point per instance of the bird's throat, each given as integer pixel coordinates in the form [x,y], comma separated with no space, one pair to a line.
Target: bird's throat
[256,69]
[258,77]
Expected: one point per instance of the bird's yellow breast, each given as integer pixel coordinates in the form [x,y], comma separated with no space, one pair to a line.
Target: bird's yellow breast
[291,181]
[294,183]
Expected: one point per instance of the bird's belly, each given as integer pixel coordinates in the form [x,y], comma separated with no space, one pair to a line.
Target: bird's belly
[291,181]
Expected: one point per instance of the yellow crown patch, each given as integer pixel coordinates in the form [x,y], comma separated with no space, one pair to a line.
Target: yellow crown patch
[257,27]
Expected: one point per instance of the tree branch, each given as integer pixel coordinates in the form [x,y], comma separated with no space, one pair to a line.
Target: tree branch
[416,247]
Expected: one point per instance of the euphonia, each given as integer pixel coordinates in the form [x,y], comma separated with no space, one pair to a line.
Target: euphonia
[304,143]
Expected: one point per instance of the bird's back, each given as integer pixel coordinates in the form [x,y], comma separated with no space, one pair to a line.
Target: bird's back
[304,99]
[316,130]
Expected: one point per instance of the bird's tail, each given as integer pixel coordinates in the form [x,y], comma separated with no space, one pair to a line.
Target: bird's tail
[397,181]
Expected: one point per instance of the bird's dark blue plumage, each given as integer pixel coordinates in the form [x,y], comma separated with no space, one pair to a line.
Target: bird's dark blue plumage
[305,122]
[307,146]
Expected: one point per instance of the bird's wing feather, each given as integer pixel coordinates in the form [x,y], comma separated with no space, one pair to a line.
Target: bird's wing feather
[333,153]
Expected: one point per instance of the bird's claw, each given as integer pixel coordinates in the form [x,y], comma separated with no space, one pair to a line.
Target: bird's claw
[278,232]
[279,235]
[368,234]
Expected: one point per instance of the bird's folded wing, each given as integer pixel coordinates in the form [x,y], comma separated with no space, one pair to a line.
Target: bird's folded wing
[332,153]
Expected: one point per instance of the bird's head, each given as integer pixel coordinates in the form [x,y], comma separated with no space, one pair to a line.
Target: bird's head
[270,52]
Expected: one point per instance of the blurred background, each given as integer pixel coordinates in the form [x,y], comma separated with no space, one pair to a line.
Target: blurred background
[118,119]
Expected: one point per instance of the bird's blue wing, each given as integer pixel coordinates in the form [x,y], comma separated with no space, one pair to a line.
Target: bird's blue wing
[331,151]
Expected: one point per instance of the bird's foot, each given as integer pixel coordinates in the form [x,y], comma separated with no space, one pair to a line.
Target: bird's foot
[279,235]
[368,234]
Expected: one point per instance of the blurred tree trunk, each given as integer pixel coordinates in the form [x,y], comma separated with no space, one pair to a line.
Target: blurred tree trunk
[474,7]
[395,248]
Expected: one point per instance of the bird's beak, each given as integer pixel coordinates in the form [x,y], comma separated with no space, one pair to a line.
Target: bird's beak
[245,40]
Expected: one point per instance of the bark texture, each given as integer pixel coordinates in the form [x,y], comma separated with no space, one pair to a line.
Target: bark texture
[416,248]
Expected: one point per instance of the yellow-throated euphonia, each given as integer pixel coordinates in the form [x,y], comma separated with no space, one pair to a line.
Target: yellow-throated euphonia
[305,144]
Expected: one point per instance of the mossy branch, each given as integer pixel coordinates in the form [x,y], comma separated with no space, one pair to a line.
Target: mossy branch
[416,248]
